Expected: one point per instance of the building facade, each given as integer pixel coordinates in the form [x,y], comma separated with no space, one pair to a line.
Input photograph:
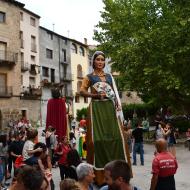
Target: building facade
[10,73]
[55,64]
[79,68]
[30,68]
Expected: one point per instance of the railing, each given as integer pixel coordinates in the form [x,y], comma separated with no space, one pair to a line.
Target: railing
[7,57]
[31,92]
[21,43]
[6,91]
[67,77]
[24,66]
[33,47]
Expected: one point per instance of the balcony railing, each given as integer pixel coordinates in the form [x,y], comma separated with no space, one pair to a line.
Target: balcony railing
[24,66]
[7,58]
[67,77]
[33,47]
[6,91]
[31,93]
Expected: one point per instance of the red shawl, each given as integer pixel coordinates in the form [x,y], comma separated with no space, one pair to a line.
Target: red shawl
[56,116]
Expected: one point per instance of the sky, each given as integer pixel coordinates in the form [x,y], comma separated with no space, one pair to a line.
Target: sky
[75,19]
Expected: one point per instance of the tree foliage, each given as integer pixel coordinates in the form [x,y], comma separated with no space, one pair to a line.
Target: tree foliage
[149,43]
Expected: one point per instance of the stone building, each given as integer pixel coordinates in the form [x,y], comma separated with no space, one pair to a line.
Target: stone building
[55,61]
[10,73]
[19,96]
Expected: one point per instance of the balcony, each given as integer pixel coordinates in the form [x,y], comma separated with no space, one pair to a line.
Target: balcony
[6,91]
[7,58]
[66,78]
[34,69]
[80,75]
[33,47]
[24,66]
[31,93]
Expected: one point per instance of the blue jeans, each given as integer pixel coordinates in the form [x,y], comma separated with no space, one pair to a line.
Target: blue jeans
[138,148]
[2,168]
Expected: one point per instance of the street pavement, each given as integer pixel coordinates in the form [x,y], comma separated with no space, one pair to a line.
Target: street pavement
[142,174]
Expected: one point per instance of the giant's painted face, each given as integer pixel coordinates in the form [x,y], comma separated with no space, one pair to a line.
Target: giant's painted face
[99,62]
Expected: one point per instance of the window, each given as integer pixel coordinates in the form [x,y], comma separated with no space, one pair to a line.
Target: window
[21,39]
[33,59]
[64,55]
[32,81]
[22,79]
[33,43]
[81,51]
[2,82]
[52,75]
[45,71]
[21,35]
[21,15]
[73,48]
[50,35]
[49,53]
[79,83]
[79,71]
[77,99]
[3,49]
[22,56]
[85,100]
[23,113]
[2,17]
[65,41]
[32,21]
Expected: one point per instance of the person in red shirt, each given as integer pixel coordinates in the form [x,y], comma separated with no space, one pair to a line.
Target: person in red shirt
[164,166]
[62,150]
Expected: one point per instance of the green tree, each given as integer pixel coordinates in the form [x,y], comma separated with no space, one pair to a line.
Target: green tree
[149,43]
[82,113]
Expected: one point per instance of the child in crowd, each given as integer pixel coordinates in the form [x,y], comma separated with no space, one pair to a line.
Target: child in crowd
[72,139]
[28,149]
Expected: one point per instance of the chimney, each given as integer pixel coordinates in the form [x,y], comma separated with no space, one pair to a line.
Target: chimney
[85,41]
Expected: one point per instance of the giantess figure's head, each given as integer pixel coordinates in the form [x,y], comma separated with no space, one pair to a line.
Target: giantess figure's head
[98,60]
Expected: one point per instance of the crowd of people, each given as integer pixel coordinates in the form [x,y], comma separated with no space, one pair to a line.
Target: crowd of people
[33,160]
[22,150]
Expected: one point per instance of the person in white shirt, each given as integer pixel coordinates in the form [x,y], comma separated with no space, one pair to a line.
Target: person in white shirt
[28,149]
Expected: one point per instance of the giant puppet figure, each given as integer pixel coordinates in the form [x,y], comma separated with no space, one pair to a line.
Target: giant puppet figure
[56,114]
[104,139]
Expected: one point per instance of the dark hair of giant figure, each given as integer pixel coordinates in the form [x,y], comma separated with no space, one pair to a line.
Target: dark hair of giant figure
[55,93]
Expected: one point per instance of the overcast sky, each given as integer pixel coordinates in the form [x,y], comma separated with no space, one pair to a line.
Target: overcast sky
[71,18]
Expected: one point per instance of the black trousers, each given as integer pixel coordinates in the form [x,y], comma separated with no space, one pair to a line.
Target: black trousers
[63,171]
[166,183]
